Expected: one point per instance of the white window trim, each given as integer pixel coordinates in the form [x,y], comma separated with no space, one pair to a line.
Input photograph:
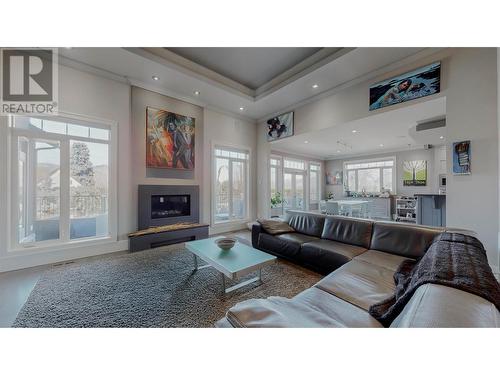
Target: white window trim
[248,191]
[373,160]
[304,172]
[61,244]
[309,181]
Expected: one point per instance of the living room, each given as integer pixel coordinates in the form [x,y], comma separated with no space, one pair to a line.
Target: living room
[249,185]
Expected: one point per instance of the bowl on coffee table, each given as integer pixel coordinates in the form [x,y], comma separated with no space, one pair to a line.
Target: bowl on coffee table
[225,243]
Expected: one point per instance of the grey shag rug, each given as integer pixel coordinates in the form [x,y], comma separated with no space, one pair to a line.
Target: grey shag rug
[152,288]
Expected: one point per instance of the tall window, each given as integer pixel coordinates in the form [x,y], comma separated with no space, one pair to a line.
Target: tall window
[294,184]
[371,176]
[230,184]
[314,183]
[60,181]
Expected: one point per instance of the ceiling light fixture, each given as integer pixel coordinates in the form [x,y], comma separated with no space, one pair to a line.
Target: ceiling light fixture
[441,137]
[381,145]
[315,86]
[242,108]
[306,141]
[354,131]
[197,93]
[155,78]
[338,151]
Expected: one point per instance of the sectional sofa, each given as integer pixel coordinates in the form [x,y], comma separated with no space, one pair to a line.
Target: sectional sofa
[359,258]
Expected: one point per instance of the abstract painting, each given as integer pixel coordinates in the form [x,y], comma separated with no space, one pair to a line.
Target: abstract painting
[334,178]
[461,158]
[280,126]
[415,173]
[169,140]
[412,85]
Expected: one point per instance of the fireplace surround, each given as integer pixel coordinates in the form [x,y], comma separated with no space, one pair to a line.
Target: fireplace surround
[167,204]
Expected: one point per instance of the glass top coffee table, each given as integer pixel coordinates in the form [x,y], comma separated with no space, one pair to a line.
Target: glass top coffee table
[233,264]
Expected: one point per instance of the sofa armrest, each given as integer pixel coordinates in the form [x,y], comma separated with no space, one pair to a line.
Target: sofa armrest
[256,231]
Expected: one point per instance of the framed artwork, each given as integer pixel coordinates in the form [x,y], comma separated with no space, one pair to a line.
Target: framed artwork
[280,127]
[334,178]
[408,86]
[169,140]
[461,158]
[415,173]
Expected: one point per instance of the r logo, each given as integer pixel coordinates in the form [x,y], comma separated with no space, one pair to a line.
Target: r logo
[27,75]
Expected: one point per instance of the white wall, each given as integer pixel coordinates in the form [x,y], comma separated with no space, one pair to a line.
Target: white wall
[401,156]
[471,106]
[221,129]
[92,96]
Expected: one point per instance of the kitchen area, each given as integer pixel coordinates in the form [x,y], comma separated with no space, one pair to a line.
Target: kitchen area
[406,186]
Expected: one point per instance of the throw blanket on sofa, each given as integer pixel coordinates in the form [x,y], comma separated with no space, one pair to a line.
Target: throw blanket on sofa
[455,260]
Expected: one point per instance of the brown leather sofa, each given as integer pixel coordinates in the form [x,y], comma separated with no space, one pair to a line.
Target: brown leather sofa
[360,258]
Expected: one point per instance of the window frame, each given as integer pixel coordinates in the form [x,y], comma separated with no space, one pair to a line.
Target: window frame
[381,173]
[318,181]
[247,167]
[64,140]
[305,172]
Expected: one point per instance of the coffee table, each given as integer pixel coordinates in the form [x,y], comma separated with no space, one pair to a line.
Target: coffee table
[233,264]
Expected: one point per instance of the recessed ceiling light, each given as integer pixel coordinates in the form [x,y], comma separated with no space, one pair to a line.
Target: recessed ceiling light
[338,151]
[155,78]
[306,141]
[441,137]
[381,145]
[197,93]
[242,108]
[315,86]
[354,131]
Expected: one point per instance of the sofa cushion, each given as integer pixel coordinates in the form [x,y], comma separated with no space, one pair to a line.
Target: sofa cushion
[360,283]
[275,245]
[381,259]
[343,312]
[297,238]
[278,312]
[275,227]
[435,305]
[406,240]
[326,256]
[306,223]
[348,230]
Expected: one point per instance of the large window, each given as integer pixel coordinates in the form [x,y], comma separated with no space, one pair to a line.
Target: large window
[60,181]
[294,184]
[371,176]
[230,184]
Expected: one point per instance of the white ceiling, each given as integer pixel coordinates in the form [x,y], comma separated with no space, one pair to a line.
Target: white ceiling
[331,70]
[392,129]
[252,67]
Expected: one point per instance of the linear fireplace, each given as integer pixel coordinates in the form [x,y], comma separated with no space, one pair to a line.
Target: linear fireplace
[163,206]
[167,204]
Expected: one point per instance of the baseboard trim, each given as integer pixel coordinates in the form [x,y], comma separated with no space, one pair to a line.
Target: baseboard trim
[19,261]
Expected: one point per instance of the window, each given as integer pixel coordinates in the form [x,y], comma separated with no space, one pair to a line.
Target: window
[294,183]
[61,179]
[314,183]
[230,184]
[371,176]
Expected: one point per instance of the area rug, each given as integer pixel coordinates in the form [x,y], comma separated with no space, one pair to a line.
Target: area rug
[152,288]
